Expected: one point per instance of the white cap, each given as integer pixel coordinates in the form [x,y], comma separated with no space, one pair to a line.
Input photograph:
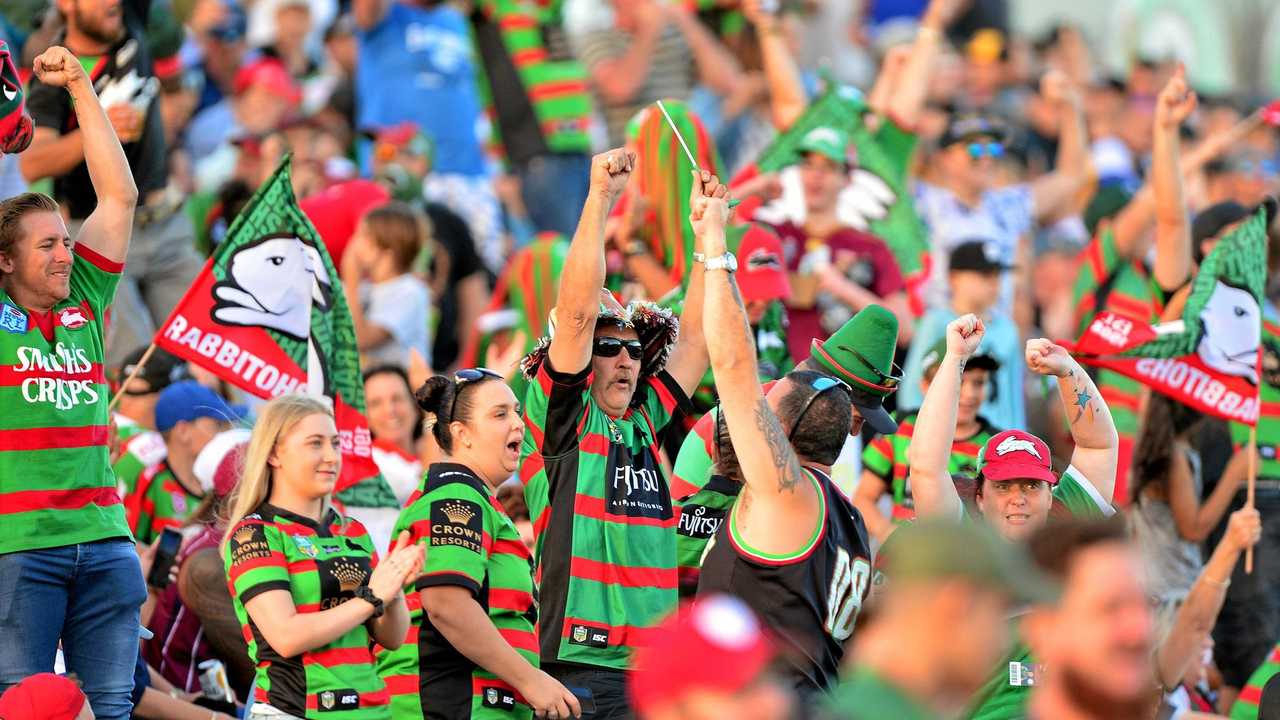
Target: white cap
[214,451]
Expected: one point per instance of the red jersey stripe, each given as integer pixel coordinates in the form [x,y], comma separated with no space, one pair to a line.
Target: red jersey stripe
[582,568]
[98,260]
[338,656]
[594,508]
[628,635]
[53,438]
[520,639]
[240,568]
[401,684]
[11,376]
[515,600]
[30,500]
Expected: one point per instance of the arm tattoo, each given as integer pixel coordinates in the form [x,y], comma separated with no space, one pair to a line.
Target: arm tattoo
[1082,397]
[784,458]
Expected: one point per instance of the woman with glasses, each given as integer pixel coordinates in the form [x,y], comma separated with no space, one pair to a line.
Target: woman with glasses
[472,648]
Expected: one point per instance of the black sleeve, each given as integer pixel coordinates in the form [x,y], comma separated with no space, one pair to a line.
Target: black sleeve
[565,408]
[47,105]
[452,233]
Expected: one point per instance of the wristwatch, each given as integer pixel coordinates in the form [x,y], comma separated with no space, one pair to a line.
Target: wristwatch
[722,262]
[366,594]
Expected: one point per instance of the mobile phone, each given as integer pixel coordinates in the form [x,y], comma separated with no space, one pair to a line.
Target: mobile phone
[585,699]
[166,553]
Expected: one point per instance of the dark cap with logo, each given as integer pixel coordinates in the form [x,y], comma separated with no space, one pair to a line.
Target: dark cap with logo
[962,128]
[162,370]
[978,255]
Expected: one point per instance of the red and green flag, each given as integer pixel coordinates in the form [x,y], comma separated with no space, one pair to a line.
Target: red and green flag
[268,315]
[1208,359]
[877,199]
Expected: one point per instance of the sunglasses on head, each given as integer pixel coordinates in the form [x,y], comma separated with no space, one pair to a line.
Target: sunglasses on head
[886,381]
[991,149]
[465,377]
[820,385]
[611,346]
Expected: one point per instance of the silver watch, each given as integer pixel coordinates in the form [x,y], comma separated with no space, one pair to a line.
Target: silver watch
[723,262]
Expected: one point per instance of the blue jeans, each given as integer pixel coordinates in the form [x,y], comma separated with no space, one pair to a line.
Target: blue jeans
[88,596]
[554,188]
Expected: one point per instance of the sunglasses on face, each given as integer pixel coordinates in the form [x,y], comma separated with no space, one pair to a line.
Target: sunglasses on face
[611,346]
[820,385]
[465,377]
[886,381]
[990,149]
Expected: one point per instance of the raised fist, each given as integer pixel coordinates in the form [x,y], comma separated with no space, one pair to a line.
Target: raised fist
[1046,358]
[610,171]
[964,334]
[1176,101]
[59,68]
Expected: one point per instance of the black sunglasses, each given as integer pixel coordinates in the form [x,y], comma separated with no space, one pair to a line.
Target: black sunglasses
[465,377]
[822,384]
[886,381]
[611,346]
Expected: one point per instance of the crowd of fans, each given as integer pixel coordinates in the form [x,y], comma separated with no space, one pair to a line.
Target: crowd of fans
[670,435]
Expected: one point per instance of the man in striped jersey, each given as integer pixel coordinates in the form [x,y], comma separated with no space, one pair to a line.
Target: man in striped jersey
[600,396]
[68,570]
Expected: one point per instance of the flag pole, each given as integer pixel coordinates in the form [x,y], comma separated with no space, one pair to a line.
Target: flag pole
[1253,477]
[672,124]
[142,362]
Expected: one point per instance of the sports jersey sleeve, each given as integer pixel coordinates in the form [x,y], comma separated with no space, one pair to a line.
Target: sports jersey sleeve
[878,458]
[693,463]
[255,560]
[460,537]
[1079,495]
[554,407]
[1097,262]
[663,397]
[94,279]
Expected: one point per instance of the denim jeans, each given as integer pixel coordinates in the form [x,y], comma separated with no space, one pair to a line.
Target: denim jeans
[608,689]
[88,596]
[554,187]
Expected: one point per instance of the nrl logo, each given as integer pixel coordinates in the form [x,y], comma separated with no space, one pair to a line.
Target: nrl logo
[327,699]
[579,634]
[1013,444]
[491,694]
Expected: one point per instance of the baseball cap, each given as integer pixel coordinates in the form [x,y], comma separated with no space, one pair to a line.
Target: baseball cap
[217,466]
[189,400]
[713,644]
[1210,221]
[44,696]
[162,370]
[1016,455]
[933,358]
[979,255]
[271,74]
[826,141]
[761,272]
[937,549]
[961,128]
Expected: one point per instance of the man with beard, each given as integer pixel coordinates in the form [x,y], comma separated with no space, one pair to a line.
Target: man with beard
[1095,642]
[601,395]
[107,36]
[792,546]
[1015,486]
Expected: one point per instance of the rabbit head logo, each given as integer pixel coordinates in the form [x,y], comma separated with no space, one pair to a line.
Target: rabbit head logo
[1232,331]
[273,283]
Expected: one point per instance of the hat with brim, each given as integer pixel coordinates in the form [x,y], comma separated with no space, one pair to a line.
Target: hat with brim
[826,141]
[982,256]
[861,354]
[655,326]
[938,550]
[962,128]
[1016,455]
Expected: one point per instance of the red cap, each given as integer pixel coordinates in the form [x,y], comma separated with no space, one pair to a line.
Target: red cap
[1271,113]
[1016,455]
[761,272]
[42,697]
[336,210]
[714,644]
[270,73]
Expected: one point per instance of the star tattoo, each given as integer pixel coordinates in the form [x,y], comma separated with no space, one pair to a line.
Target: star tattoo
[1082,401]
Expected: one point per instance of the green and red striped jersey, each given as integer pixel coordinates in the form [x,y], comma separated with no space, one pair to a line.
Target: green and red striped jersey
[140,448]
[1246,705]
[159,501]
[470,543]
[556,85]
[602,517]
[56,484]
[1106,280]
[702,498]
[1269,410]
[886,458]
[320,565]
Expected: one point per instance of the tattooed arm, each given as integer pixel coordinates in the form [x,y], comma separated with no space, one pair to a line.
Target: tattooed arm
[929,454]
[1097,444]
[778,507]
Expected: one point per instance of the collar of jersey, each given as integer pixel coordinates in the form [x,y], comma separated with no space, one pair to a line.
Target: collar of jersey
[442,473]
[271,512]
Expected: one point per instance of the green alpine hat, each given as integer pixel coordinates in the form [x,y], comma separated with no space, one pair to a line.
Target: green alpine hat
[826,141]
[861,354]
[936,549]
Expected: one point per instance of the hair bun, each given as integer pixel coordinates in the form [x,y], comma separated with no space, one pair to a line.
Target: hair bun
[434,394]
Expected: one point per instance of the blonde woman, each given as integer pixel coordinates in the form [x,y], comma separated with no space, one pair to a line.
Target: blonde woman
[307,584]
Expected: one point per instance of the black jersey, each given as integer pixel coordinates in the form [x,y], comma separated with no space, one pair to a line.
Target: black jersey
[810,598]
